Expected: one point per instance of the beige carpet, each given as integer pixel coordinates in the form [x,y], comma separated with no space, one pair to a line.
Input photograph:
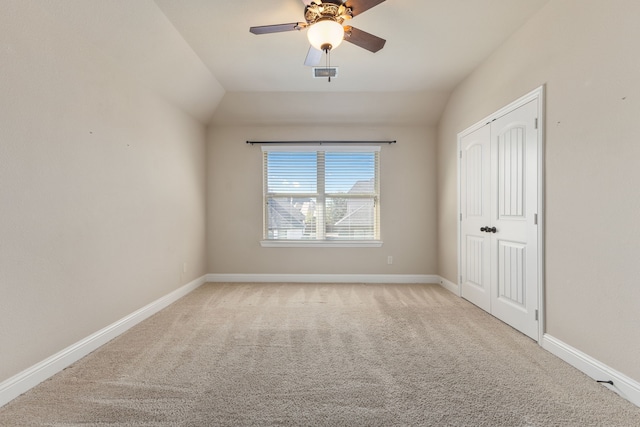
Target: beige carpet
[320,354]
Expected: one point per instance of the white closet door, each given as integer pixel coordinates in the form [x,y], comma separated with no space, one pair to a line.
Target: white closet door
[514,205]
[475,181]
[499,203]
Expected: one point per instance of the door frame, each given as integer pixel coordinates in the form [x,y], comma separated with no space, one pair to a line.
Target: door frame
[538,94]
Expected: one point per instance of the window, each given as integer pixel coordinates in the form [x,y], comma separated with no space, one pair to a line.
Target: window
[321,194]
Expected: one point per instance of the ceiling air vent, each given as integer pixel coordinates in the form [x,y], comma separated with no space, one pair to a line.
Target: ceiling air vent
[324,72]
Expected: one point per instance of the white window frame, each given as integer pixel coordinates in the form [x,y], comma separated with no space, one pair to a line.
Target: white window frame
[273,243]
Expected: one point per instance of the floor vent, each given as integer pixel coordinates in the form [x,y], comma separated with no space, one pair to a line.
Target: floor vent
[324,72]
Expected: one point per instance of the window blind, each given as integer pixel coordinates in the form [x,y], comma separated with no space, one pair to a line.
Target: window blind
[321,193]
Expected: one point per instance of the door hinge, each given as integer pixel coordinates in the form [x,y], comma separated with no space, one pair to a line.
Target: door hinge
[536,123]
[536,314]
[460,279]
[460,153]
[460,216]
[535,219]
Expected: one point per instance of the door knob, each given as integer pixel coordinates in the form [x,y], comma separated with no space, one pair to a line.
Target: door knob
[489,229]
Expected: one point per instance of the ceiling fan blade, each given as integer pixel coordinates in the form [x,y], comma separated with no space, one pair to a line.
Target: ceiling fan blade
[307,2]
[363,39]
[313,57]
[266,29]
[359,6]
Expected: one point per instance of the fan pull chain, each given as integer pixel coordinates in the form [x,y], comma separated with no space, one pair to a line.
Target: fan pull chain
[328,63]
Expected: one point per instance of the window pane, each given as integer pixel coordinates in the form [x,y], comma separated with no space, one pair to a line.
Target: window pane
[350,173]
[350,218]
[291,172]
[291,218]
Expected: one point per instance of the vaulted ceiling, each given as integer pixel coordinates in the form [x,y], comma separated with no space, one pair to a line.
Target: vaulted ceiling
[201,56]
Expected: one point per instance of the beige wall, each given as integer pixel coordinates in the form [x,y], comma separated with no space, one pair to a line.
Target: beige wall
[235,204]
[586,53]
[102,187]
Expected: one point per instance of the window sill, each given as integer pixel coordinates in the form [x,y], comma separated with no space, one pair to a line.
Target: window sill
[321,243]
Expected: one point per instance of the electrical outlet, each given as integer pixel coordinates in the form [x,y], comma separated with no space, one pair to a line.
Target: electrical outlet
[389,260]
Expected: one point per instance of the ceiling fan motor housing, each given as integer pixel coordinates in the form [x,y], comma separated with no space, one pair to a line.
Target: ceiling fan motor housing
[329,10]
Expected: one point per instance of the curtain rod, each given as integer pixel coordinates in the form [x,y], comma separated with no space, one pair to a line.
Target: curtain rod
[320,142]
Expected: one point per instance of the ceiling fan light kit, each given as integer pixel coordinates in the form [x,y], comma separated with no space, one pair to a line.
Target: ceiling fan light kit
[325,30]
[325,35]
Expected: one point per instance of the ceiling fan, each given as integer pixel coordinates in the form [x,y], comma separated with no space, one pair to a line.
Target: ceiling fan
[324,20]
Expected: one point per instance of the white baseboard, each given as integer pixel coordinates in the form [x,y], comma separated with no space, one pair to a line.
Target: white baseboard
[31,377]
[622,384]
[324,278]
[449,285]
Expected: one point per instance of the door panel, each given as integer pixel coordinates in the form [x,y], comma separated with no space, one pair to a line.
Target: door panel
[510,172]
[473,182]
[475,257]
[512,272]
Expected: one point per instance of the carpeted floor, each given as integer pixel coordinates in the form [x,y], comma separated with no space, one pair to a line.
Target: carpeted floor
[320,354]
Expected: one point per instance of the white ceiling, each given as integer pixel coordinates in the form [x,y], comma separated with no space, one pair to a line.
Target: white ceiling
[201,56]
